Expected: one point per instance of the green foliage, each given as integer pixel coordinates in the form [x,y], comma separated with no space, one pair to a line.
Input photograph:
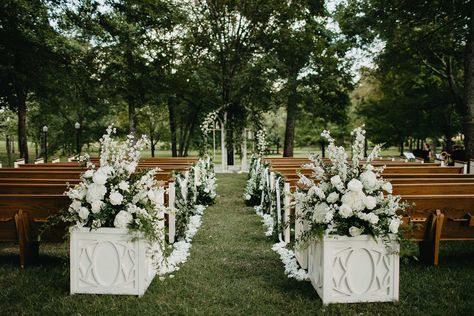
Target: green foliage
[420,70]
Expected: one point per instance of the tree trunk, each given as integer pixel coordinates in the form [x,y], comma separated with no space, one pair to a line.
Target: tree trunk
[469,89]
[152,144]
[22,129]
[230,144]
[132,115]
[187,141]
[434,144]
[172,117]
[291,111]
[402,149]
[9,150]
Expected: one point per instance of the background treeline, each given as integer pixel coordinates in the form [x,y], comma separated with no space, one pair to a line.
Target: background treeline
[159,66]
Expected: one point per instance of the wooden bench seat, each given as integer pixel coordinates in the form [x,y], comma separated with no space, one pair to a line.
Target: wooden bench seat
[422,169]
[439,217]
[433,188]
[21,217]
[434,179]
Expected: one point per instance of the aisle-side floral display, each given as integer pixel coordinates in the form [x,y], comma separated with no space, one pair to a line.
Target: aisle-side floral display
[348,198]
[347,227]
[117,241]
[353,224]
[118,217]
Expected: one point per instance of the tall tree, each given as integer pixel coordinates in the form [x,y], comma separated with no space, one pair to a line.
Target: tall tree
[28,57]
[227,34]
[436,34]
[306,51]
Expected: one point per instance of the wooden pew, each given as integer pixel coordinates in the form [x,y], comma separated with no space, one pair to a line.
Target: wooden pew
[21,216]
[434,179]
[391,176]
[439,217]
[433,188]
[422,169]
[40,181]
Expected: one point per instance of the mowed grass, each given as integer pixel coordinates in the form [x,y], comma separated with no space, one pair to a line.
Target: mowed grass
[232,271]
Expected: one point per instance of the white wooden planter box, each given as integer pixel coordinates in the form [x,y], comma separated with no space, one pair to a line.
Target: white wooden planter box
[354,269]
[107,261]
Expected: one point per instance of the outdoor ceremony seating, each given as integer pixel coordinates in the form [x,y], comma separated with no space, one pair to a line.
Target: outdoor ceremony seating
[30,193]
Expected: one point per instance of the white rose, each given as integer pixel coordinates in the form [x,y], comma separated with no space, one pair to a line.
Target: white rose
[355,185]
[122,219]
[328,217]
[89,173]
[95,192]
[319,212]
[332,197]
[83,212]
[116,198]
[324,186]
[387,187]
[370,202]
[315,190]
[106,169]
[394,224]
[130,168]
[369,180]
[372,218]
[124,186]
[78,193]
[153,196]
[369,167]
[355,231]
[336,180]
[354,200]
[99,177]
[96,206]
[76,205]
[345,211]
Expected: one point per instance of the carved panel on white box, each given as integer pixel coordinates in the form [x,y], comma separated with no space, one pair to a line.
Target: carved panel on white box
[109,261]
[353,269]
[348,278]
[106,263]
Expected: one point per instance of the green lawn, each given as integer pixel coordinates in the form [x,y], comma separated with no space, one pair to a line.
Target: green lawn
[232,271]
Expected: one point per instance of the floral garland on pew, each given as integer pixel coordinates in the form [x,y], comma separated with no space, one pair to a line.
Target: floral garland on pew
[257,171]
[258,193]
[193,193]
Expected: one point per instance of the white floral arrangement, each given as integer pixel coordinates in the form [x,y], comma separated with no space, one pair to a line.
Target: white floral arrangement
[261,146]
[205,180]
[208,123]
[115,194]
[256,181]
[350,198]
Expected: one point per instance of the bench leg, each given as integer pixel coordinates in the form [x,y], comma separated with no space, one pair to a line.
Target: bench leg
[29,249]
[429,248]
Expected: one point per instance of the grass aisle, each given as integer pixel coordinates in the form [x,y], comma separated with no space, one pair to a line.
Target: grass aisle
[232,271]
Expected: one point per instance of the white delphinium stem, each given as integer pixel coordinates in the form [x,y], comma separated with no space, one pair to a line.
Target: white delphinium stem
[261,136]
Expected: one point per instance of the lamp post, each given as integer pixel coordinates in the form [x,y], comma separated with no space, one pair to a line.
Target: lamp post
[77,127]
[45,132]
